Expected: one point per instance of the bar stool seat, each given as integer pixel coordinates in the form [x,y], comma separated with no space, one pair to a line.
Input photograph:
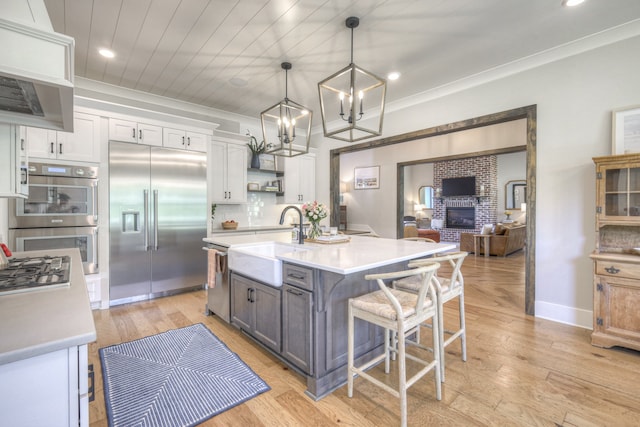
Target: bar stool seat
[397,312]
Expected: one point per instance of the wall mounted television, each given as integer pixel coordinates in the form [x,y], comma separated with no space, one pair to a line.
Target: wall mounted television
[462,186]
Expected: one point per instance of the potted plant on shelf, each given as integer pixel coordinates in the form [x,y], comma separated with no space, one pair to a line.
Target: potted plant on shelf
[256,150]
[213,213]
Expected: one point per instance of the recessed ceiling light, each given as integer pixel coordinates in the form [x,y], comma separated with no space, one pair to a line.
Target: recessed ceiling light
[106,53]
[238,82]
[571,3]
[393,75]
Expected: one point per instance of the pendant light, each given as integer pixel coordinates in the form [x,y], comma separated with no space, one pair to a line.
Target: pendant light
[349,96]
[282,125]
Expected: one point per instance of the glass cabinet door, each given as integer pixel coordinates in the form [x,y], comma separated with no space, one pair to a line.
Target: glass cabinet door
[622,192]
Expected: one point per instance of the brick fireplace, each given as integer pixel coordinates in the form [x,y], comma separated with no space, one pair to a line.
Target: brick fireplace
[467,213]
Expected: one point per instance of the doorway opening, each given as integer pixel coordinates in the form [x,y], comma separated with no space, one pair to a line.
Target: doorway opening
[529,113]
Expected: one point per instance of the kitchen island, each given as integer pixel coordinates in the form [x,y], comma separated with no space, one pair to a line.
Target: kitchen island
[43,351]
[304,321]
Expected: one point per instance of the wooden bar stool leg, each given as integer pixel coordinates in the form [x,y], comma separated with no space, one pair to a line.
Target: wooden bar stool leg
[463,327]
[387,349]
[402,373]
[350,352]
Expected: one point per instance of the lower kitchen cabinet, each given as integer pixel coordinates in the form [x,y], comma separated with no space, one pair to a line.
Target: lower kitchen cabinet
[615,301]
[255,308]
[46,390]
[297,333]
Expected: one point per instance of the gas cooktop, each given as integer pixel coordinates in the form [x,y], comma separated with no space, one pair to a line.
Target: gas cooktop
[28,274]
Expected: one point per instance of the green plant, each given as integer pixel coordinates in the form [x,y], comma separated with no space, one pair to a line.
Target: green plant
[213,210]
[254,146]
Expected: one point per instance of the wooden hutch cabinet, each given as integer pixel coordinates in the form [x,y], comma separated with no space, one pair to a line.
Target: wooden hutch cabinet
[616,290]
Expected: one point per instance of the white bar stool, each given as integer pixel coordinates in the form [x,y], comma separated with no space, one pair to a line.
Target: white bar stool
[446,290]
[398,312]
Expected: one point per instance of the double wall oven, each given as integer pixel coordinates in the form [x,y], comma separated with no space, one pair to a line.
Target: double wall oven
[61,212]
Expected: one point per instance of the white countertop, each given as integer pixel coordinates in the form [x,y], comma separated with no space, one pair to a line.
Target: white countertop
[45,320]
[363,253]
[359,254]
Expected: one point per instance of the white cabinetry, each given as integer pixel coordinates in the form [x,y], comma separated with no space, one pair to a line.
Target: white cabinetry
[299,178]
[46,390]
[227,173]
[13,163]
[83,144]
[177,138]
[139,133]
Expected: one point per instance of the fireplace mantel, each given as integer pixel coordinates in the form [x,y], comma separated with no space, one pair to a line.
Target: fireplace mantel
[477,197]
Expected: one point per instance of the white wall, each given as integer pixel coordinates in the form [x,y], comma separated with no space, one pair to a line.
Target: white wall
[574,98]
[364,202]
[416,176]
[511,167]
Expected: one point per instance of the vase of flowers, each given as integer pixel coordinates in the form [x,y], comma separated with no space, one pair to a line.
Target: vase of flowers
[314,212]
[256,150]
[508,215]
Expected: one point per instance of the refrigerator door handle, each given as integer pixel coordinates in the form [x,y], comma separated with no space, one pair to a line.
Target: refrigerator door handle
[155,220]
[146,219]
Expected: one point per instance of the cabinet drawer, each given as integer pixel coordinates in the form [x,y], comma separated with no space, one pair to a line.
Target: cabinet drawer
[618,269]
[298,276]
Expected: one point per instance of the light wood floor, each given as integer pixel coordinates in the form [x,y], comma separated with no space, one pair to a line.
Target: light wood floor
[521,371]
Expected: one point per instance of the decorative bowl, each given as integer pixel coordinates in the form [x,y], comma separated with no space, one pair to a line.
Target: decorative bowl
[230,225]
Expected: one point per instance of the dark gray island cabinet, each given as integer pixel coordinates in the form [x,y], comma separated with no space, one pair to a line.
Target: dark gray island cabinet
[305,321]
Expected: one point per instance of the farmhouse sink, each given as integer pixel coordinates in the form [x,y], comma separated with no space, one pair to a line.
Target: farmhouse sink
[260,261]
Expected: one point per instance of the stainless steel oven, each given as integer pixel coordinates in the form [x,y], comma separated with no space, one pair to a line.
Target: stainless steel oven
[38,239]
[60,212]
[59,196]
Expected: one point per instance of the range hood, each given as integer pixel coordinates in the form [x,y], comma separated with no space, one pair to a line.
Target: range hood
[36,68]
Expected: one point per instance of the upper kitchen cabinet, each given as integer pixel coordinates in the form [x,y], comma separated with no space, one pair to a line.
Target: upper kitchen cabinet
[193,141]
[299,178]
[139,133]
[13,163]
[227,173]
[83,144]
[618,190]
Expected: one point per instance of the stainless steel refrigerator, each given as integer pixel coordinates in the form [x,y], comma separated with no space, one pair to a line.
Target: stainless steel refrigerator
[158,214]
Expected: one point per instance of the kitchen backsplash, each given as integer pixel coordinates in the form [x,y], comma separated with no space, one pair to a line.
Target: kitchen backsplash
[260,210]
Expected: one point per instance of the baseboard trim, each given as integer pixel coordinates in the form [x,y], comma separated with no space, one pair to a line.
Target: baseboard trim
[564,314]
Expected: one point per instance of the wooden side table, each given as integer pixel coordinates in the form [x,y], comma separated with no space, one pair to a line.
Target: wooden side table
[478,243]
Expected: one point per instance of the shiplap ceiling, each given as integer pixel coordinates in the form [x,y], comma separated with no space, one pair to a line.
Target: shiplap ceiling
[226,54]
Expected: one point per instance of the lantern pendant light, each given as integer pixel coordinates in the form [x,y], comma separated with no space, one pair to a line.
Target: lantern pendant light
[349,96]
[286,126]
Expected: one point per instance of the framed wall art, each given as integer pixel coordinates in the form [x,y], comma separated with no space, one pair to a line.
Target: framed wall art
[366,178]
[625,129]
